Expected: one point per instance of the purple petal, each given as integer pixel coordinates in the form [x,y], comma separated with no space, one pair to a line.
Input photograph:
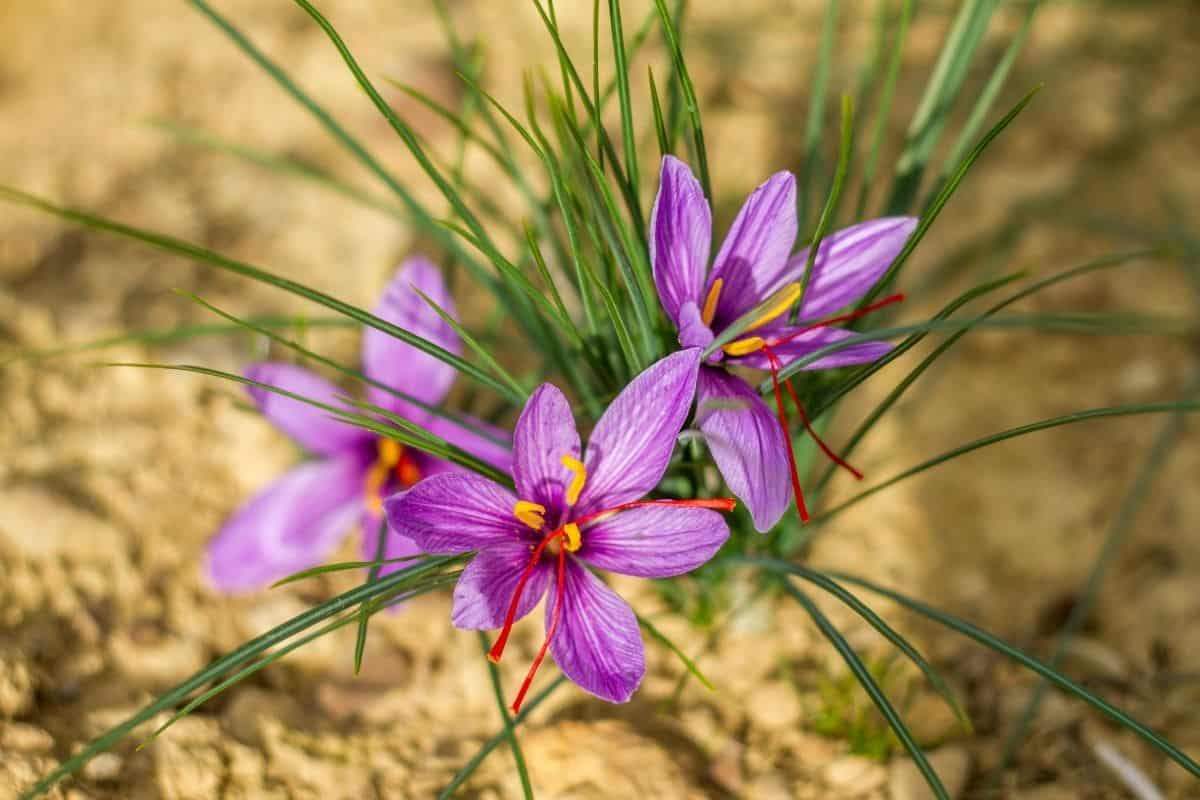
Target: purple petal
[400,365]
[653,541]
[849,263]
[294,524]
[692,330]
[454,513]
[545,432]
[753,259]
[630,448]
[680,237]
[747,443]
[597,643]
[488,450]
[314,429]
[485,589]
[811,341]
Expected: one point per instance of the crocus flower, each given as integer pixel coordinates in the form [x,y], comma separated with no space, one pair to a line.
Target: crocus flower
[755,269]
[569,513]
[298,520]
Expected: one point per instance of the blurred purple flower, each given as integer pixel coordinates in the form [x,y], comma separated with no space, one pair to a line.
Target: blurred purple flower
[568,513]
[298,520]
[755,269]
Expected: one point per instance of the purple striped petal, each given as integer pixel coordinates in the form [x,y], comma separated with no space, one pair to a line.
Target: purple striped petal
[597,643]
[811,341]
[849,263]
[489,450]
[400,365]
[630,448]
[454,513]
[747,443]
[314,429]
[485,589]
[294,524]
[680,237]
[653,541]
[545,432]
[753,258]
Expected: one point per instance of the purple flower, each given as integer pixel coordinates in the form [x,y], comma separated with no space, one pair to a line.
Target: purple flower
[754,268]
[299,519]
[569,513]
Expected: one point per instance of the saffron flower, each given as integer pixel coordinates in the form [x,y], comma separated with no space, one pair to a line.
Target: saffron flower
[568,513]
[298,520]
[755,269]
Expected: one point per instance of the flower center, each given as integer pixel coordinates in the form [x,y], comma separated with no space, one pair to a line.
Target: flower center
[552,543]
[391,457]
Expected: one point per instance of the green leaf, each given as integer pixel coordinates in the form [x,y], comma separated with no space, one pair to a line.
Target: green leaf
[903,385]
[689,94]
[509,733]
[885,106]
[674,648]
[282,165]
[216,669]
[621,64]
[817,88]
[353,373]
[1012,433]
[342,566]
[1058,679]
[935,207]
[1167,439]
[938,99]
[202,255]
[871,687]
[845,152]
[491,744]
[875,621]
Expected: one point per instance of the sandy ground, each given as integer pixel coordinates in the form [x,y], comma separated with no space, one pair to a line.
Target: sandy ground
[112,479]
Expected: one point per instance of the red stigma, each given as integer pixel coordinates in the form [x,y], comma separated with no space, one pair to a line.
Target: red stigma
[511,617]
[554,616]
[497,650]
[776,366]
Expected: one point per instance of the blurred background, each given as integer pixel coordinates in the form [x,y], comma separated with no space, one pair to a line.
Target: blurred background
[113,479]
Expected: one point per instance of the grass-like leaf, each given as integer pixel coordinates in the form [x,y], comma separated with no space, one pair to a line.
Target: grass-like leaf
[671,33]
[1053,676]
[869,684]
[205,256]
[938,100]
[254,647]
[818,85]
[875,621]
[882,113]
[1156,459]
[1012,433]
[688,663]
[509,733]
[491,744]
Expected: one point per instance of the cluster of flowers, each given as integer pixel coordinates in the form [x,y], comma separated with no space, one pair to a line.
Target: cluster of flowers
[573,508]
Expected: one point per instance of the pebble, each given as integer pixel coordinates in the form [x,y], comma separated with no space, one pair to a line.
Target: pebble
[951,764]
[854,775]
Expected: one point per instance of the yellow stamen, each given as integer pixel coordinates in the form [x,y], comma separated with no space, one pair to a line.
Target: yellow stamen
[779,305]
[580,478]
[532,514]
[389,456]
[574,537]
[710,302]
[744,347]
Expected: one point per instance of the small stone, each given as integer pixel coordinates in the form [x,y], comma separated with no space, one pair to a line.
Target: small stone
[104,767]
[931,719]
[950,763]
[22,738]
[773,706]
[854,775]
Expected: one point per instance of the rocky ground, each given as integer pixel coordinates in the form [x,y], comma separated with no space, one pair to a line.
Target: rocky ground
[113,479]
